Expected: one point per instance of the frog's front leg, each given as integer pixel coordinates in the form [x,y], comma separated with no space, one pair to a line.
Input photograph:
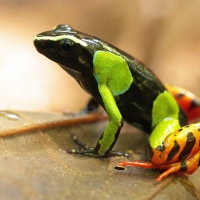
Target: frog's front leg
[113,78]
[111,133]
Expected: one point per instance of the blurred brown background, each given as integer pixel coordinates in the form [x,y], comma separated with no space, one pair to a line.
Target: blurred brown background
[165,35]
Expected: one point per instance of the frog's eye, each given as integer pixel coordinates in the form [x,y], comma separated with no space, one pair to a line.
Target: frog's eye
[66,46]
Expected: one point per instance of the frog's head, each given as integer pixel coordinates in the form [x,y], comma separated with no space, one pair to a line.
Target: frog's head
[71,49]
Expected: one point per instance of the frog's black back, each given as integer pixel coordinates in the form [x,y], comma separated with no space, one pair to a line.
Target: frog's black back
[141,95]
[136,103]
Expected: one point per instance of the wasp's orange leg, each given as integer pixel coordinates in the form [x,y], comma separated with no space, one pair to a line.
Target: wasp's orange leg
[187,166]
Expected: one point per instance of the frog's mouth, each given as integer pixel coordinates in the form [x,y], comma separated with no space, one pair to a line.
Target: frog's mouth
[45,47]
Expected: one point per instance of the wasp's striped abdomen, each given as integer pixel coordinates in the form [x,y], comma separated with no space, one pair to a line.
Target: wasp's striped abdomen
[189,102]
[178,145]
[179,153]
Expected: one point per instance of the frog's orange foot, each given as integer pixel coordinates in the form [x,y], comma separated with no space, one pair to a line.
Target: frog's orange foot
[187,166]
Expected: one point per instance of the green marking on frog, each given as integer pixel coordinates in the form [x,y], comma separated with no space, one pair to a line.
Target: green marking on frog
[113,71]
[114,78]
[61,37]
[164,118]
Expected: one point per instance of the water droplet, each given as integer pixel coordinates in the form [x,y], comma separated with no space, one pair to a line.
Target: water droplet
[9,115]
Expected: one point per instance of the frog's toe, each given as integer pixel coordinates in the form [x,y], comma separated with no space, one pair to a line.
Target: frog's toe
[86,152]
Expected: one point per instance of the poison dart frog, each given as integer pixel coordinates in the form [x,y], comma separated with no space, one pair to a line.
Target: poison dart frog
[128,91]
